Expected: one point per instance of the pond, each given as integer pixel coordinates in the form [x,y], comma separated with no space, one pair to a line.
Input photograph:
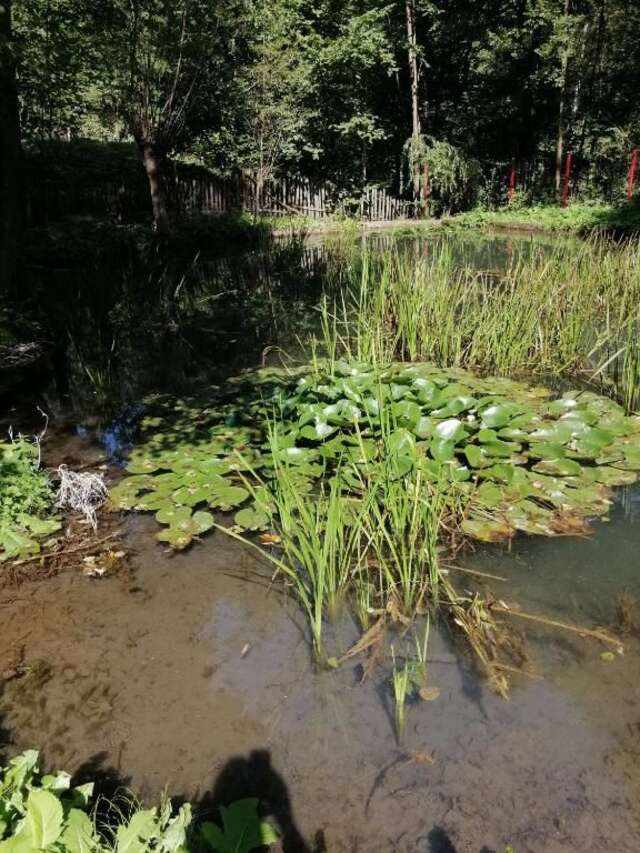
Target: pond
[192,671]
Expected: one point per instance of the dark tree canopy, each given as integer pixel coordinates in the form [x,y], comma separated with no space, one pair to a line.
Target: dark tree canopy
[352,91]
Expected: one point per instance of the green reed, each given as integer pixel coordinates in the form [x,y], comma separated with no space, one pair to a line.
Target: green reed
[401,681]
[320,537]
[559,311]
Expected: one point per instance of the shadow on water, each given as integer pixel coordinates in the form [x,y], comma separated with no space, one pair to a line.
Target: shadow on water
[255,776]
[439,841]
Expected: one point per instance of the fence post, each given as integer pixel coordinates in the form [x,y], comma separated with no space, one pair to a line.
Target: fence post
[566,179]
[512,183]
[631,174]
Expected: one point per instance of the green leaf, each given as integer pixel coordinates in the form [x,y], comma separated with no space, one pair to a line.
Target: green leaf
[442,450]
[499,414]
[174,834]
[242,831]
[43,818]
[78,836]
[134,836]
[450,430]
[251,518]
[172,514]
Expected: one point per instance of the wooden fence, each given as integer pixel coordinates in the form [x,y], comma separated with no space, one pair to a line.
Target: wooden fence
[195,190]
[286,196]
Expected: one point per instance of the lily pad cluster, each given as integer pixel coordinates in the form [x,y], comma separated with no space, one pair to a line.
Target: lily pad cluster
[516,457]
[26,499]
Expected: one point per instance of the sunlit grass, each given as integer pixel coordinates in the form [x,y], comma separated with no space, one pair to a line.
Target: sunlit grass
[572,310]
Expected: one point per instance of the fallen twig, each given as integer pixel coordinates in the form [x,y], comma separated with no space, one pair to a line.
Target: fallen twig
[47,554]
[601,636]
[475,572]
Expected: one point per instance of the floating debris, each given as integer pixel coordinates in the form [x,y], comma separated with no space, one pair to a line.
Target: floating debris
[81,491]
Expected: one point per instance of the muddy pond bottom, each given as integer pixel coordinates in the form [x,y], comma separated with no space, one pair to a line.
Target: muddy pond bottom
[195,676]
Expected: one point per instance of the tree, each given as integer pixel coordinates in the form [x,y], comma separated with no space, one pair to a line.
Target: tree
[165,64]
[56,55]
[276,84]
[10,151]
[353,68]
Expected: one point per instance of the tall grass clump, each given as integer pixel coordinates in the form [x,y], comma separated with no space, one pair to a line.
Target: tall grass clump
[402,526]
[570,310]
[320,539]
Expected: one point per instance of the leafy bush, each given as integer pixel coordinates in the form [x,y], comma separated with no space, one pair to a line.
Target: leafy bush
[45,813]
[26,497]
[454,178]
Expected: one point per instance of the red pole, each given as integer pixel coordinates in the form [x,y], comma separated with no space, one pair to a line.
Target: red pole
[631,174]
[425,188]
[566,179]
[512,183]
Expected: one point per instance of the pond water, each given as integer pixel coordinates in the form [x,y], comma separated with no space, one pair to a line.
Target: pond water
[191,672]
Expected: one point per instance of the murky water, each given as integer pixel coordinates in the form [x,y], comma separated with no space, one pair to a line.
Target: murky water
[193,673]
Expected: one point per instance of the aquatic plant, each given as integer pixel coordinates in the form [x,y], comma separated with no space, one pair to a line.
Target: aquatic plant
[318,539]
[400,680]
[362,475]
[563,311]
[26,500]
[402,526]
[508,454]
[44,812]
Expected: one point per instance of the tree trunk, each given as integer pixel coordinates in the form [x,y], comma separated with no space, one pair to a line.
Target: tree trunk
[595,65]
[416,130]
[561,106]
[413,66]
[10,152]
[152,163]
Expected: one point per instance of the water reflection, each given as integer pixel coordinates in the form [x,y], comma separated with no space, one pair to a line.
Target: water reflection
[113,331]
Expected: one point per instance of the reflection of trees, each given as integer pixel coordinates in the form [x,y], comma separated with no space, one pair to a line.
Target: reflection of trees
[166,324]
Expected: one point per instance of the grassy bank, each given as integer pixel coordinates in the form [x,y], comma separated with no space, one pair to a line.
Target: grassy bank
[579,218]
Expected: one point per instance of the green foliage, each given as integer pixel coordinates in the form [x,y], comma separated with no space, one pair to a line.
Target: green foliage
[402,427]
[25,500]
[578,218]
[242,830]
[353,469]
[454,178]
[44,813]
[564,311]
[323,87]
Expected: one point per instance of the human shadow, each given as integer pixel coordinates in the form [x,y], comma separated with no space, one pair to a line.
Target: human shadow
[111,788]
[255,776]
[439,841]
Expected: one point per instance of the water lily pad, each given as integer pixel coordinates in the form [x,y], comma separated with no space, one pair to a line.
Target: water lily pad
[558,467]
[401,442]
[146,465]
[546,450]
[614,476]
[252,518]
[192,495]
[487,529]
[442,450]
[407,413]
[423,427]
[455,406]
[172,514]
[450,429]
[228,497]
[498,415]
[203,521]
[176,538]
[478,457]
